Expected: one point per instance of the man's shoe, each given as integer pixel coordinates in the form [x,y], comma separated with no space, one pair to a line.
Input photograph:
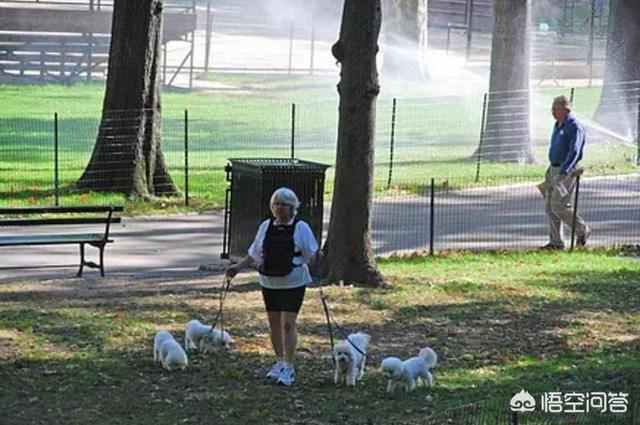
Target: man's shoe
[552,247]
[581,240]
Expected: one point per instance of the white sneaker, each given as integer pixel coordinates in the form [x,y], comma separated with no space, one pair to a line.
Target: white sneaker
[287,377]
[275,370]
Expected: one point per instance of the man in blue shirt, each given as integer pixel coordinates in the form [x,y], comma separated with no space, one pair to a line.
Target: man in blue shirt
[565,151]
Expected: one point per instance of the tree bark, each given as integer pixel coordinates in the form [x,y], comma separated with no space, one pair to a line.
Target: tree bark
[348,248]
[507,134]
[618,107]
[405,40]
[127,156]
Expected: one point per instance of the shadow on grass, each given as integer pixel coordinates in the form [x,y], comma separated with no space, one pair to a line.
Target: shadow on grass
[87,351]
[124,386]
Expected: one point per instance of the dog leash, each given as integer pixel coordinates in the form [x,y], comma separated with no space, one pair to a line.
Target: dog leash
[317,278]
[326,313]
[223,294]
[331,318]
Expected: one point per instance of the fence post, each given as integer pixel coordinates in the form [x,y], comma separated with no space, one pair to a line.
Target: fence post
[192,49]
[431,215]
[391,142]
[313,40]
[207,45]
[469,28]
[186,158]
[479,154]
[290,45]
[575,213]
[514,418]
[572,95]
[90,48]
[293,130]
[90,57]
[638,131]
[564,17]
[56,177]
[164,63]
[591,39]
[573,15]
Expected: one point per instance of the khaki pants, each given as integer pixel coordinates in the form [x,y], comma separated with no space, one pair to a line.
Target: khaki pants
[558,198]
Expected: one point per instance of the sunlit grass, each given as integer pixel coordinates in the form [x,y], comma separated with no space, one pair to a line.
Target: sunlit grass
[430,141]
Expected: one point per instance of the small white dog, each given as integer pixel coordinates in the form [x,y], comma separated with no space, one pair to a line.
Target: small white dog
[169,352]
[411,372]
[203,338]
[349,359]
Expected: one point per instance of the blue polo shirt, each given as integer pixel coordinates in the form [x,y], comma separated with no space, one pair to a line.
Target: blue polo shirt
[567,144]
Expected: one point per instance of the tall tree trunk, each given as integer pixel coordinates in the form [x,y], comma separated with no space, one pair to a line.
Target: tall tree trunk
[507,135]
[127,156]
[618,107]
[405,39]
[348,248]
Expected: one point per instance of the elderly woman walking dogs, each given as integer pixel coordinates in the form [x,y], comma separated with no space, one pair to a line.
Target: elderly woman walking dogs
[283,249]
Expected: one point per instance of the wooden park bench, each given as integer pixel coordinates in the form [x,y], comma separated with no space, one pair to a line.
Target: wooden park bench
[26,217]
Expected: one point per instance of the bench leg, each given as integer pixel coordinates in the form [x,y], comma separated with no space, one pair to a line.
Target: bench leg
[79,274]
[102,260]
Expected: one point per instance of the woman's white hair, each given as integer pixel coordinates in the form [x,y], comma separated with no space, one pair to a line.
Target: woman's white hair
[284,195]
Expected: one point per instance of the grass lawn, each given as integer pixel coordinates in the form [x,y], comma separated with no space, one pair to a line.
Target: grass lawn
[79,351]
[250,116]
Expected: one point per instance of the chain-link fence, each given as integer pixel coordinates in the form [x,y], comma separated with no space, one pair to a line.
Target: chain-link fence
[479,203]
[416,138]
[285,36]
[569,33]
[69,40]
[465,214]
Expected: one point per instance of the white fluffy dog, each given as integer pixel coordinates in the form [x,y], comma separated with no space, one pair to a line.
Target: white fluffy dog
[411,372]
[169,352]
[203,338]
[349,360]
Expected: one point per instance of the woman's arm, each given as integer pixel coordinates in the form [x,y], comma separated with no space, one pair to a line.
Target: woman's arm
[233,269]
[254,254]
[316,260]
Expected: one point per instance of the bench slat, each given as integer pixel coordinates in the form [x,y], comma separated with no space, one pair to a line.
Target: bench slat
[48,210]
[51,239]
[54,221]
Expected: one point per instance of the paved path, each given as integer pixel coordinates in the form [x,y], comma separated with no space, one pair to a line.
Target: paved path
[142,245]
[510,216]
[496,217]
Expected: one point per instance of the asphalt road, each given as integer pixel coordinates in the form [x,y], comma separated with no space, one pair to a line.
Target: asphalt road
[497,217]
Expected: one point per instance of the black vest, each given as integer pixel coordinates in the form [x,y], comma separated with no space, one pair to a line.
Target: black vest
[278,249]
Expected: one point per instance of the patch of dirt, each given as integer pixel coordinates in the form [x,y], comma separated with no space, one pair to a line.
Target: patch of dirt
[8,345]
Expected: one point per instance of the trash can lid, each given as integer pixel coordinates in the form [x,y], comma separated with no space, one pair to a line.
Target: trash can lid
[278,163]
